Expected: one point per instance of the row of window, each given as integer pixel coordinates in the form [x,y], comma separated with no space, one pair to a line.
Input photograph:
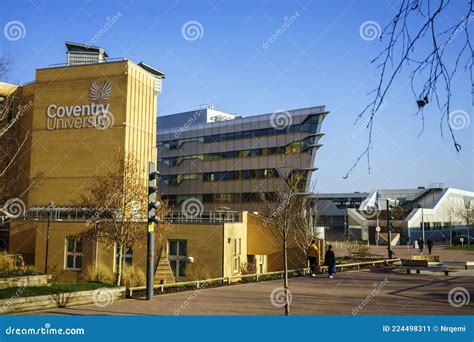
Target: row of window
[436,225]
[74,255]
[173,180]
[296,147]
[309,126]
[219,198]
[177,252]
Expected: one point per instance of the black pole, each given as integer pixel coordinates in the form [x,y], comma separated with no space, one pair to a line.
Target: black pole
[47,245]
[389,232]
[149,263]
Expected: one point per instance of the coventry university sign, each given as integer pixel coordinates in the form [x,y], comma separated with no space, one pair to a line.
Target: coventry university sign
[93,115]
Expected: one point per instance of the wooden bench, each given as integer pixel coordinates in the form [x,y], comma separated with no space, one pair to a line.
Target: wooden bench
[419,264]
[429,258]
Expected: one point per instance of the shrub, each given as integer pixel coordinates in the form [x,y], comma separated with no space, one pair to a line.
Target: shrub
[102,274]
[361,249]
[23,271]
[132,277]
[247,268]
[201,273]
[6,262]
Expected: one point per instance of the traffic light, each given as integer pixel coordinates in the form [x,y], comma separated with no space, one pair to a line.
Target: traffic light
[153,204]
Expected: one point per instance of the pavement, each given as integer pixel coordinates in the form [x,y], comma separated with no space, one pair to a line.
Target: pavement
[404,252]
[365,292]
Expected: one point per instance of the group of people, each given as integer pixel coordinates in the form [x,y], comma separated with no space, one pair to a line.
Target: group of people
[329,259]
[421,245]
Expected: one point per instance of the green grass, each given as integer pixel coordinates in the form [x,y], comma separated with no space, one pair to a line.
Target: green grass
[54,288]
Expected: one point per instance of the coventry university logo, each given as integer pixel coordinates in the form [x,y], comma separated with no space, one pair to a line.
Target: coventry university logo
[96,114]
[96,93]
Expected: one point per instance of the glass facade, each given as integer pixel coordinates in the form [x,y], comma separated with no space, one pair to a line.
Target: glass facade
[309,126]
[248,156]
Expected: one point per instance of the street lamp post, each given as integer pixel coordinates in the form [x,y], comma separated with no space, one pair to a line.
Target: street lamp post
[389,231]
[50,207]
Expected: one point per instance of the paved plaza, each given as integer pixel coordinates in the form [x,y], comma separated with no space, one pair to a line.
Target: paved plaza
[364,292]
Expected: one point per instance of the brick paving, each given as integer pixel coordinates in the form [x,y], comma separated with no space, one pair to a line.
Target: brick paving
[402,252]
[401,294]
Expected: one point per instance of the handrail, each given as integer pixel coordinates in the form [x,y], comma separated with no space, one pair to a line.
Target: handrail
[229,279]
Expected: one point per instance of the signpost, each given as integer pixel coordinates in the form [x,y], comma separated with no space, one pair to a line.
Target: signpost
[377,229]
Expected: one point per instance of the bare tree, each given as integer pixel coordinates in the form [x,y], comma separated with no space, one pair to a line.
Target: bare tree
[117,200]
[466,214]
[417,24]
[284,210]
[12,139]
[4,65]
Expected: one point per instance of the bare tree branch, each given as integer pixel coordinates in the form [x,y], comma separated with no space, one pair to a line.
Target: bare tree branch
[431,75]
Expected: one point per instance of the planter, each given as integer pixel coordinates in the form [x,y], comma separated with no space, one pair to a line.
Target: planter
[31,280]
[101,297]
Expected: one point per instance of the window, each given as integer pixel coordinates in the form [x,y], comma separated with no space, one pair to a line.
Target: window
[178,255]
[255,152]
[127,257]
[236,251]
[73,254]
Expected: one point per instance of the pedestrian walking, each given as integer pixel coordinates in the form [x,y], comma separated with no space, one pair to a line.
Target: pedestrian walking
[430,245]
[421,245]
[312,252]
[330,261]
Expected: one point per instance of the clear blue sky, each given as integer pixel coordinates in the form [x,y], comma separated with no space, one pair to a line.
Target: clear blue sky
[320,58]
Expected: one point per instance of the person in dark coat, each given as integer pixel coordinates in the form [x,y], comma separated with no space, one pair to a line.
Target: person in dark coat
[429,244]
[330,261]
[421,245]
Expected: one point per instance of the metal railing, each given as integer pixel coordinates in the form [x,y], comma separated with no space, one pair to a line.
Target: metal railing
[82,214]
[206,216]
[198,284]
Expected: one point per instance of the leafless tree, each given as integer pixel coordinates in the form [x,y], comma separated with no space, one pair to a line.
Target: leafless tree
[118,203]
[12,139]
[466,214]
[286,216]
[3,68]
[418,40]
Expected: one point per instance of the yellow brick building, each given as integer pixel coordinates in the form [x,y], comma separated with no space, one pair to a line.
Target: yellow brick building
[72,119]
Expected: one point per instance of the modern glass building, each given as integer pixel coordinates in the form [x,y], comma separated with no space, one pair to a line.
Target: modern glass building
[227,161]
